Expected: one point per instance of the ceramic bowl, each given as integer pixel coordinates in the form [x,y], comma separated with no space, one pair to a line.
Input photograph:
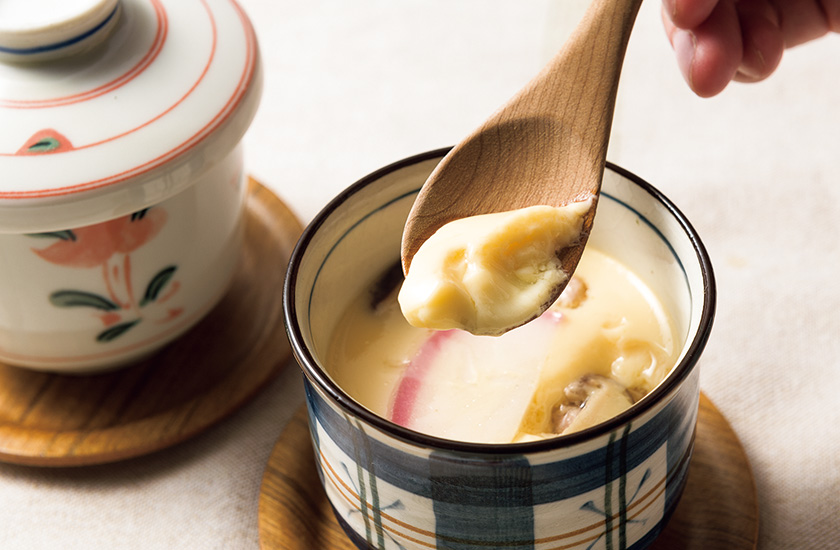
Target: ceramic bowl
[610,486]
[123,185]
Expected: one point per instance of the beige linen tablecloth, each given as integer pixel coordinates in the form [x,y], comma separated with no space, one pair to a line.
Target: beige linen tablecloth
[352,86]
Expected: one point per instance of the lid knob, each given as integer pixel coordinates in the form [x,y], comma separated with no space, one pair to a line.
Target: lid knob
[46,29]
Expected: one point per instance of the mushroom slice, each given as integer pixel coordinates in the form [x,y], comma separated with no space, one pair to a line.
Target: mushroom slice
[588,401]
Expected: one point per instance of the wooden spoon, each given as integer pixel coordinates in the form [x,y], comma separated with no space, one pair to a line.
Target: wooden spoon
[547,145]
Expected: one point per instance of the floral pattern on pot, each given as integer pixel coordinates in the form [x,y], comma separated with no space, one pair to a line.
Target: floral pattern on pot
[108,246]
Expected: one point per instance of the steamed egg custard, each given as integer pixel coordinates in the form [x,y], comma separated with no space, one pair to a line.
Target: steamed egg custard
[603,345]
[489,273]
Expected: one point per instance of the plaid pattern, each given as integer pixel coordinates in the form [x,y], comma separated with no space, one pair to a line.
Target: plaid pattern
[611,492]
[612,495]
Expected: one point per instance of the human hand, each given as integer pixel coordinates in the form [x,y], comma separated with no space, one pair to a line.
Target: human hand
[718,41]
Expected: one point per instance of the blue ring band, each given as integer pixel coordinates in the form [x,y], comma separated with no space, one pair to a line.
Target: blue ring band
[64,43]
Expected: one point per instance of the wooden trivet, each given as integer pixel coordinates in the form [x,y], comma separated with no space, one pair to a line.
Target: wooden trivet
[718,510]
[198,380]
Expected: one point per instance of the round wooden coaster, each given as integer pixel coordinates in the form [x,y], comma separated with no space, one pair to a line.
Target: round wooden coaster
[718,511]
[219,365]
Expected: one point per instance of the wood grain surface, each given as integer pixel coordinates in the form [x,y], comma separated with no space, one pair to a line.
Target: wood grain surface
[546,146]
[718,511]
[60,420]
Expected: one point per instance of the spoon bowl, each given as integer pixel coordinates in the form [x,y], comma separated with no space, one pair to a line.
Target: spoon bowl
[546,146]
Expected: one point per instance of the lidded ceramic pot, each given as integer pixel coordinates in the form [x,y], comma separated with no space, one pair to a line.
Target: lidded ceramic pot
[121,174]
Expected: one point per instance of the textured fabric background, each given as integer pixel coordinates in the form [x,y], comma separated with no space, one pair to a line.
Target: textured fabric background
[352,86]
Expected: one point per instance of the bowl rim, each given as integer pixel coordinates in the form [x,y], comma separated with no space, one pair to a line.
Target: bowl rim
[317,376]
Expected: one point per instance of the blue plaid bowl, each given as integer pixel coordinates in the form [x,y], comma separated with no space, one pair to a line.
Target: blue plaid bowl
[612,486]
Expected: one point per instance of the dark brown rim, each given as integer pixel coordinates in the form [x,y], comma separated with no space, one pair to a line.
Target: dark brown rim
[316,376]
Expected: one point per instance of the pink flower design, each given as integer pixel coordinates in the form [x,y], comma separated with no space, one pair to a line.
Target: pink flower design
[94,245]
[109,245]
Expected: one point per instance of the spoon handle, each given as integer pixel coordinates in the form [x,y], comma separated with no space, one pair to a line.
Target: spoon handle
[547,145]
[580,83]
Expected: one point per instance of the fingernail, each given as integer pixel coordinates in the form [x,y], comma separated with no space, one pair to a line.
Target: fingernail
[684,46]
[754,73]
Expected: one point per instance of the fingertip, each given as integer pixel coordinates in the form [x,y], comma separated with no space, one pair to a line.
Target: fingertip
[702,64]
[718,51]
[709,75]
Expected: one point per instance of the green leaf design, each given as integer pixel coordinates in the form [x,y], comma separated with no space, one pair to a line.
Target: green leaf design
[66,235]
[78,298]
[44,145]
[157,284]
[116,331]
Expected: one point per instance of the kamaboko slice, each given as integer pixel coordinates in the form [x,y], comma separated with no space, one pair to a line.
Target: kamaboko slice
[473,388]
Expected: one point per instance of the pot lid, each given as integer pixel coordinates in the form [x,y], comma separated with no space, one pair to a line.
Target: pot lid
[110,106]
